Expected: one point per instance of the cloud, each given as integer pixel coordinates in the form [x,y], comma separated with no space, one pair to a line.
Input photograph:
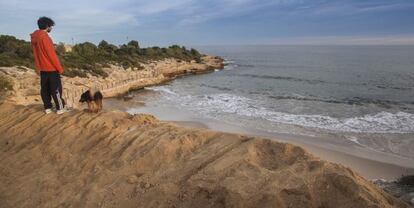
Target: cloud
[389,6]
[218,9]
[159,6]
[338,8]
[94,18]
[71,17]
[101,14]
[161,19]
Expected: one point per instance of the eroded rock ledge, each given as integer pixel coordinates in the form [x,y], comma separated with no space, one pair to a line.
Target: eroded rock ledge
[26,82]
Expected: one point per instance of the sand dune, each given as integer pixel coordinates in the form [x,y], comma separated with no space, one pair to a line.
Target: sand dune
[112,159]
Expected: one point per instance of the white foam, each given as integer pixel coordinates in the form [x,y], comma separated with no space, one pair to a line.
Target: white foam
[216,104]
[161,89]
[382,122]
[229,65]
[354,140]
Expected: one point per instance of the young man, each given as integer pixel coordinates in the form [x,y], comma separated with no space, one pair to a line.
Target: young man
[48,66]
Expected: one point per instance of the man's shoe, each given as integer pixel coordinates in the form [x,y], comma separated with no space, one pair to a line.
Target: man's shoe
[62,111]
[47,111]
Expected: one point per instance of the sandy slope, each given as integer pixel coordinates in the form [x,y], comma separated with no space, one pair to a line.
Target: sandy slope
[111,159]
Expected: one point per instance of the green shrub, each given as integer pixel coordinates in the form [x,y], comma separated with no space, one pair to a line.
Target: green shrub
[99,72]
[133,44]
[60,49]
[15,52]
[125,64]
[5,83]
[74,73]
[87,58]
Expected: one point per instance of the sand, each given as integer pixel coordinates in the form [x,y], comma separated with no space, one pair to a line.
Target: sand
[370,167]
[112,159]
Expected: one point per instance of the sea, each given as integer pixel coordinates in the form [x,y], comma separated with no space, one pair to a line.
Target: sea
[361,96]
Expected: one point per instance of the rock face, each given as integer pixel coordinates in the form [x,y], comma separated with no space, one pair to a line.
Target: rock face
[405,192]
[27,89]
[112,159]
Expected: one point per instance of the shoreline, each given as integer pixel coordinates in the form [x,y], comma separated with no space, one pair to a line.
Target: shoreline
[371,164]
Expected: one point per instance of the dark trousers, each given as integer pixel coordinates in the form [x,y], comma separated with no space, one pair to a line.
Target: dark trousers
[51,87]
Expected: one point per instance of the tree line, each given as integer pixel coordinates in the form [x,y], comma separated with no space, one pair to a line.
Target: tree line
[88,58]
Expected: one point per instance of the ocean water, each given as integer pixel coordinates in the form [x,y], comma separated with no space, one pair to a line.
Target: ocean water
[361,94]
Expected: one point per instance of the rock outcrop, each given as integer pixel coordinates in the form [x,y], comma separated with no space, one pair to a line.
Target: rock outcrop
[26,82]
[112,159]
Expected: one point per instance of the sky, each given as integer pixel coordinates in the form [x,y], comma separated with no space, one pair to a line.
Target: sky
[216,22]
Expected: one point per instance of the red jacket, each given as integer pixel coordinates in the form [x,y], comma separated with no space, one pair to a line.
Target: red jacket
[44,52]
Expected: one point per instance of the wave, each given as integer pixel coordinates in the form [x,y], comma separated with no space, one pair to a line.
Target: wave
[214,105]
[393,88]
[280,78]
[313,81]
[348,101]
[246,65]
[217,104]
[227,62]
[216,87]
[163,89]
[354,140]
[230,66]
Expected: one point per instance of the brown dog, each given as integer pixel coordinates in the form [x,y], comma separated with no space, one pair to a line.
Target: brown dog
[94,100]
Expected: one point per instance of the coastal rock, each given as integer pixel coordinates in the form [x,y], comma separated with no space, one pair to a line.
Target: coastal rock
[27,83]
[108,159]
[404,192]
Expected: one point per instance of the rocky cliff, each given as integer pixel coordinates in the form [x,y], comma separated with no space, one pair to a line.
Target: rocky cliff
[26,82]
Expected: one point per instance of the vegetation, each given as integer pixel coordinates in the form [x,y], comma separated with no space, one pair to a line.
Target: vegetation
[88,58]
[5,84]
[14,52]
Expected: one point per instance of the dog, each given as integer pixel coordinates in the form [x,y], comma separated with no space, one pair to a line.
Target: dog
[94,100]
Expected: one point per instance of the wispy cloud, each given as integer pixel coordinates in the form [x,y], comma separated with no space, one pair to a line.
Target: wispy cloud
[154,7]
[335,7]
[230,8]
[179,20]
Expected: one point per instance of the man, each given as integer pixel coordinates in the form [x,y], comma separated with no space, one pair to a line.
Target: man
[48,66]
